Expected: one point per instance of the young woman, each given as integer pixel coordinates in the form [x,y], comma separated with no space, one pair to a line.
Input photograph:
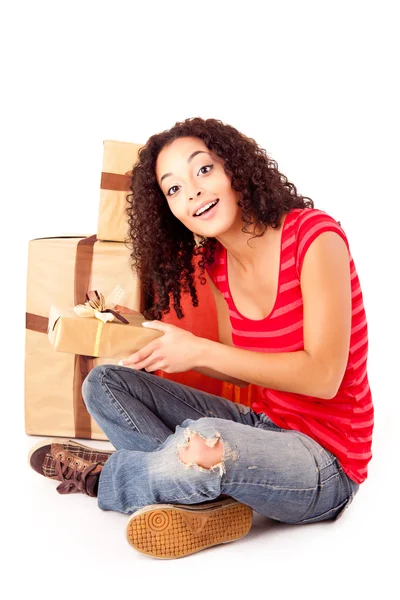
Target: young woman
[189,467]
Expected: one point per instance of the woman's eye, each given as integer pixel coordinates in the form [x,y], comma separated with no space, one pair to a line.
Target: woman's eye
[175,186]
[206,167]
[171,188]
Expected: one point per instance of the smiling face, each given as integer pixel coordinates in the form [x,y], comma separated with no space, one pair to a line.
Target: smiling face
[190,175]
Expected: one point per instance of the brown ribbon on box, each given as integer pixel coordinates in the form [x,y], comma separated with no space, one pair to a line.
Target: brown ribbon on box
[116,182]
[83,364]
[36,323]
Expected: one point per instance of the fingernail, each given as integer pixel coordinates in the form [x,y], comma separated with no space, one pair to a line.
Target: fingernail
[121,364]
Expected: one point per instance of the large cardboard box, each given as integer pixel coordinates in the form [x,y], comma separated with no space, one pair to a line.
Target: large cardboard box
[61,271]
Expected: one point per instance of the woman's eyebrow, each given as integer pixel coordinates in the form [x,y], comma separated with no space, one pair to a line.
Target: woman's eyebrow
[188,160]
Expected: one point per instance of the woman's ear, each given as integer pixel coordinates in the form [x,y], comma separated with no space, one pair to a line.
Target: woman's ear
[198,239]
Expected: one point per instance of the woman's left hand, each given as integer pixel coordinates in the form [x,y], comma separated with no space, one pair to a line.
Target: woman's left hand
[176,351]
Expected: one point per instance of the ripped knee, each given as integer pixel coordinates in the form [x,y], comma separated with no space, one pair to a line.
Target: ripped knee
[206,454]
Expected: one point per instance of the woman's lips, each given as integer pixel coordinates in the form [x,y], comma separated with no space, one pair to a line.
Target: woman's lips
[208,213]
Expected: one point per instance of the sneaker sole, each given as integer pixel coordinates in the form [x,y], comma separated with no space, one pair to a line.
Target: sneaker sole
[60,441]
[172,531]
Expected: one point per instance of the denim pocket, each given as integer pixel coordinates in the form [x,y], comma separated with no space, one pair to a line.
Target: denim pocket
[336,512]
[353,488]
[346,505]
[333,513]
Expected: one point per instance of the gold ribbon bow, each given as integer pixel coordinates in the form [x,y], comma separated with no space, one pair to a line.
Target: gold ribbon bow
[95,306]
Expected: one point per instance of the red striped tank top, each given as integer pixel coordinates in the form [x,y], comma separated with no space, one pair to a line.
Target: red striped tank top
[344,424]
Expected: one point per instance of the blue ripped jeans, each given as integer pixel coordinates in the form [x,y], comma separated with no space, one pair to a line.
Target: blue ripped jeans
[282,474]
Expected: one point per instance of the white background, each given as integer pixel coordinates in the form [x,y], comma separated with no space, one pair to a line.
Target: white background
[314,83]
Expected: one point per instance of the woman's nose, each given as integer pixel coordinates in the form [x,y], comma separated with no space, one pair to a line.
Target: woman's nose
[192,196]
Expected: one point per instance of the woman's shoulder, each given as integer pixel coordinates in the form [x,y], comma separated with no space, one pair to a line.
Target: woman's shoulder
[313,215]
[307,221]
[310,223]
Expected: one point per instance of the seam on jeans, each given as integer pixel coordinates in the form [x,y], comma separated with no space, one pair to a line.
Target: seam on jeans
[174,395]
[326,465]
[174,501]
[276,487]
[329,479]
[119,407]
[271,487]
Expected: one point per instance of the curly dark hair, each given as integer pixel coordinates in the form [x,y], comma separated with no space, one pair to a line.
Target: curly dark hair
[162,247]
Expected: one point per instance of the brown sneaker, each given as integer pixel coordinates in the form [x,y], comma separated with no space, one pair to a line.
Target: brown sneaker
[176,530]
[75,465]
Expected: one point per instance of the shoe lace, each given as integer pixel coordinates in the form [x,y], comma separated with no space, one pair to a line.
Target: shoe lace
[73,479]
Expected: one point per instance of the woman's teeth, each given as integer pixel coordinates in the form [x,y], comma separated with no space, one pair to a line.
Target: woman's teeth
[206,208]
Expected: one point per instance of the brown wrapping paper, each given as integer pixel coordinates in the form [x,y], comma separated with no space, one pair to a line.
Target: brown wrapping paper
[71,333]
[118,161]
[61,271]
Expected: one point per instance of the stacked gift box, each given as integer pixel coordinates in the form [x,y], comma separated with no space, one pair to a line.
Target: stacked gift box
[62,347]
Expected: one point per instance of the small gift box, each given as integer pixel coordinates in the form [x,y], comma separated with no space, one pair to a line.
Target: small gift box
[118,160]
[95,329]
